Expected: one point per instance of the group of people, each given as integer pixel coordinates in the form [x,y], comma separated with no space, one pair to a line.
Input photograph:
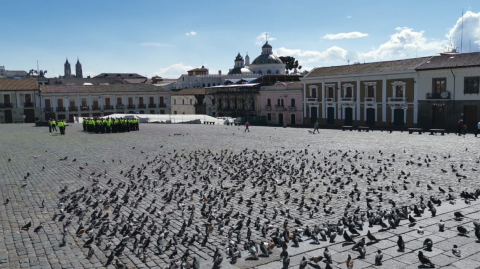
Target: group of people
[52,126]
[109,125]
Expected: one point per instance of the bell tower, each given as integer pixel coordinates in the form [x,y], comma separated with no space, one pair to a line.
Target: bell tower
[78,69]
[68,70]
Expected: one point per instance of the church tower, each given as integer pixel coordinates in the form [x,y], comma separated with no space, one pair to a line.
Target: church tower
[68,71]
[78,69]
[239,61]
[247,60]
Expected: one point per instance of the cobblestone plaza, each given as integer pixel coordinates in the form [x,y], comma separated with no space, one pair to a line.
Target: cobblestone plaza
[33,170]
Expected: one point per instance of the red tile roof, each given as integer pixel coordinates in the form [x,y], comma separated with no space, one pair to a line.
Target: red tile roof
[27,84]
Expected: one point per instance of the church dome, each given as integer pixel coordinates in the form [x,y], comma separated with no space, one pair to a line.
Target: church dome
[267,59]
[267,46]
[238,70]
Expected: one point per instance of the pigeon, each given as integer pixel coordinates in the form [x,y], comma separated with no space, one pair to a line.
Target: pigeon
[441,226]
[378,258]
[90,253]
[371,237]
[347,237]
[27,226]
[316,259]
[303,263]
[327,255]
[456,251]
[401,243]
[286,262]
[349,262]
[6,201]
[424,260]
[458,215]
[38,228]
[462,230]
[428,244]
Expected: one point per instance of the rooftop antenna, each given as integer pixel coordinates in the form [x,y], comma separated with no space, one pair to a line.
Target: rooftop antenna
[266,36]
[37,66]
[461,38]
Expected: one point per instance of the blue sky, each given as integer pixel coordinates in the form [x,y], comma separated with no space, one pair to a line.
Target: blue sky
[167,38]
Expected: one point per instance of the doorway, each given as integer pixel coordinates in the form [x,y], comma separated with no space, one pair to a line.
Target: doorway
[370,116]
[313,114]
[29,115]
[8,116]
[331,115]
[71,117]
[280,118]
[438,115]
[349,116]
[292,119]
[398,116]
[470,117]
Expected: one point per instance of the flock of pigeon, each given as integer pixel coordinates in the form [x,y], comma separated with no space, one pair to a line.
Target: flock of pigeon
[249,205]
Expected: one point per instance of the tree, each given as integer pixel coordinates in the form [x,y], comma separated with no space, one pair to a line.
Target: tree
[290,63]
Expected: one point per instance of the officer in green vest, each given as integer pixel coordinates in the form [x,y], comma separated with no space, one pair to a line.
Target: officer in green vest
[54,125]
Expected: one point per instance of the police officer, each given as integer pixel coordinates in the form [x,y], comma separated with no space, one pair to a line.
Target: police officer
[54,125]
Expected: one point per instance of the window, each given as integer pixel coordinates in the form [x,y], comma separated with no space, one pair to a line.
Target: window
[371,91]
[175,102]
[471,85]
[330,92]
[260,72]
[269,116]
[151,100]
[439,85]
[281,102]
[161,100]
[277,72]
[269,72]
[140,100]
[183,101]
[208,84]
[399,91]
[269,102]
[175,112]
[107,101]
[348,92]
[130,101]
[190,101]
[28,98]
[119,101]
[313,93]
[47,103]
[292,102]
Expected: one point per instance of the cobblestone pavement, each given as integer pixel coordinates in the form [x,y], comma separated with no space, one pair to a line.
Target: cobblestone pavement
[318,167]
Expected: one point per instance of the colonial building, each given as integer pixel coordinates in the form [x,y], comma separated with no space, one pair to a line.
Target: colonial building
[17,74]
[18,98]
[189,101]
[282,103]
[66,102]
[363,94]
[448,90]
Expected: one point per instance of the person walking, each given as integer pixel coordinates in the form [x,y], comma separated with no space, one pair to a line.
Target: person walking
[390,125]
[464,130]
[459,127]
[315,127]
[246,127]
[54,125]
[478,129]
[50,125]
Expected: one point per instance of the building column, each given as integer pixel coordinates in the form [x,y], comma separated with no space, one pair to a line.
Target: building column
[384,100]
[415,101]
[339,95]
[323,100]
[17,100]
[358,99]
[304,100]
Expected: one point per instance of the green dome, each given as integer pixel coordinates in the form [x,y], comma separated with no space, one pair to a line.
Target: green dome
[267,59]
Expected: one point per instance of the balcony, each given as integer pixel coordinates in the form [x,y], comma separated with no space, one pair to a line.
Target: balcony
[291,108]
[162,105]
[73,108]
[85,108]
[152,106]
[48,109]
[130,106]
[28,104]
[369,100]
[120,106]
[311,101]
[347,101]
[330,101]
[268,107]
[6,105]
[397,102]
[108,107]
[142,106]
[280,108]
[61,109]
[96,108]
[443,95]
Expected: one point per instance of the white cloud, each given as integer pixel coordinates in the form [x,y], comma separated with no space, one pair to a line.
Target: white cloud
[405,43]
[471,32]
[173,71]
[345,35]
[260,39]
[191,33]
[349,17]
[152,44]
[310,56]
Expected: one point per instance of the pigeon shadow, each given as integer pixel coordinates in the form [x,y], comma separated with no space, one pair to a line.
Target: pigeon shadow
[250,259]
[347,243]
[314,265]
[425,266]
[464,235]
[371,243]
[412,225]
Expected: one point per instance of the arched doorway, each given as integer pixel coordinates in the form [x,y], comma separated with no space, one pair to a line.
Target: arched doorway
[398,117]
[370,116]
[349,116]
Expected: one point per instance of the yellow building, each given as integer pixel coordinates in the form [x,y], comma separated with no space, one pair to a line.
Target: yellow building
[369,94]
